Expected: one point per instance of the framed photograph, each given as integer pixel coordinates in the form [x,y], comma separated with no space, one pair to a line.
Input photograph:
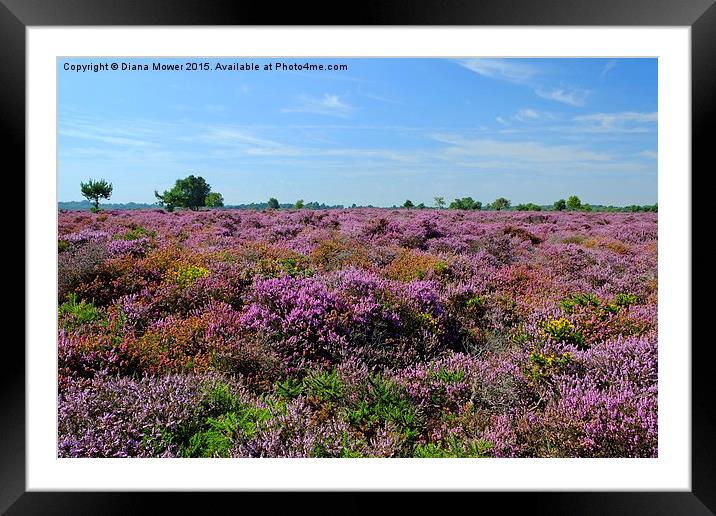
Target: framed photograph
[444,248]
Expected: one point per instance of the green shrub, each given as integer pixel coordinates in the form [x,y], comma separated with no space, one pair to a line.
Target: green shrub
[447,376]
[296,267]
[380,401]
[543,367]
[215,441]
[584,299]
[136,232]
[453,448]
[289,389]
[219,433]
[619,302]
[475,303]
[227,421]
[73,314]
[441,267]
[324,385]
[347,449]
[625,300]
[220,400]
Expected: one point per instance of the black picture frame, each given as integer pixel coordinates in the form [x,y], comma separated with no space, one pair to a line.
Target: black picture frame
[699,15]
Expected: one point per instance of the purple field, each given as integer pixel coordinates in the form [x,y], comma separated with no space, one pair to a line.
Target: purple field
[357,333]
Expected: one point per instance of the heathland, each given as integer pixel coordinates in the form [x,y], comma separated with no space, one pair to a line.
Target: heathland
[357,332]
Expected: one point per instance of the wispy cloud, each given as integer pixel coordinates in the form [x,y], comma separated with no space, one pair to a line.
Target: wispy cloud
[607,67]
[624,122]
[329,104]
[245,142]
[526,74]
[527,114]
[500,69]
[648,154]
[573,97]
[511,154]
[120,133]
[239,142]
[104,138]
[532,115]
[379,98]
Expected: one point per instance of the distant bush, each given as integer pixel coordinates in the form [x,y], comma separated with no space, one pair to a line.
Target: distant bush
[465,203]
[528,207]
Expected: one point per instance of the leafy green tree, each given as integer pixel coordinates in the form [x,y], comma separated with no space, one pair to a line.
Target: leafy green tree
[299,204]
[528,207]
[586,207]
[190,192]
[560,205]
[573,203]
[500,204]
[408,204]
[440,202]
[273,204]
[421,206]
[95,190]
[466,203]
[214,200]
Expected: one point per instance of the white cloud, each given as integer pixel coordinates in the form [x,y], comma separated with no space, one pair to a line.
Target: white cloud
[573,97]
[527,114]
[532,115]
[379,98]
[648,154]
[327,105]
[521,73]
[246,142]
[624,122]
[511,154]
[607,67]
[104,138]
[238,142]
[500,69]
[123,133]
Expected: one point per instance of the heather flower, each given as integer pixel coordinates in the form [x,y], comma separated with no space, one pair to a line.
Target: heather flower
[362,332]
[123,417]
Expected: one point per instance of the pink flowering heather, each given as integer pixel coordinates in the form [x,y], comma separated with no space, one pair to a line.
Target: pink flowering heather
[357,333]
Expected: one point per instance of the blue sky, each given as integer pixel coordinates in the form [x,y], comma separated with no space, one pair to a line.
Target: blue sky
[381,132]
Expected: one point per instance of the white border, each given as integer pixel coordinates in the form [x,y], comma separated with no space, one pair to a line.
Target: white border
[671,471]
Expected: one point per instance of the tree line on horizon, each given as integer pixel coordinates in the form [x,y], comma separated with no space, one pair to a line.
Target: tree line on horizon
[194,193]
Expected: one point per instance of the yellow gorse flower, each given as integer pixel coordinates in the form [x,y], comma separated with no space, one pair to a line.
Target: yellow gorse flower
[428,322]
[184,276]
